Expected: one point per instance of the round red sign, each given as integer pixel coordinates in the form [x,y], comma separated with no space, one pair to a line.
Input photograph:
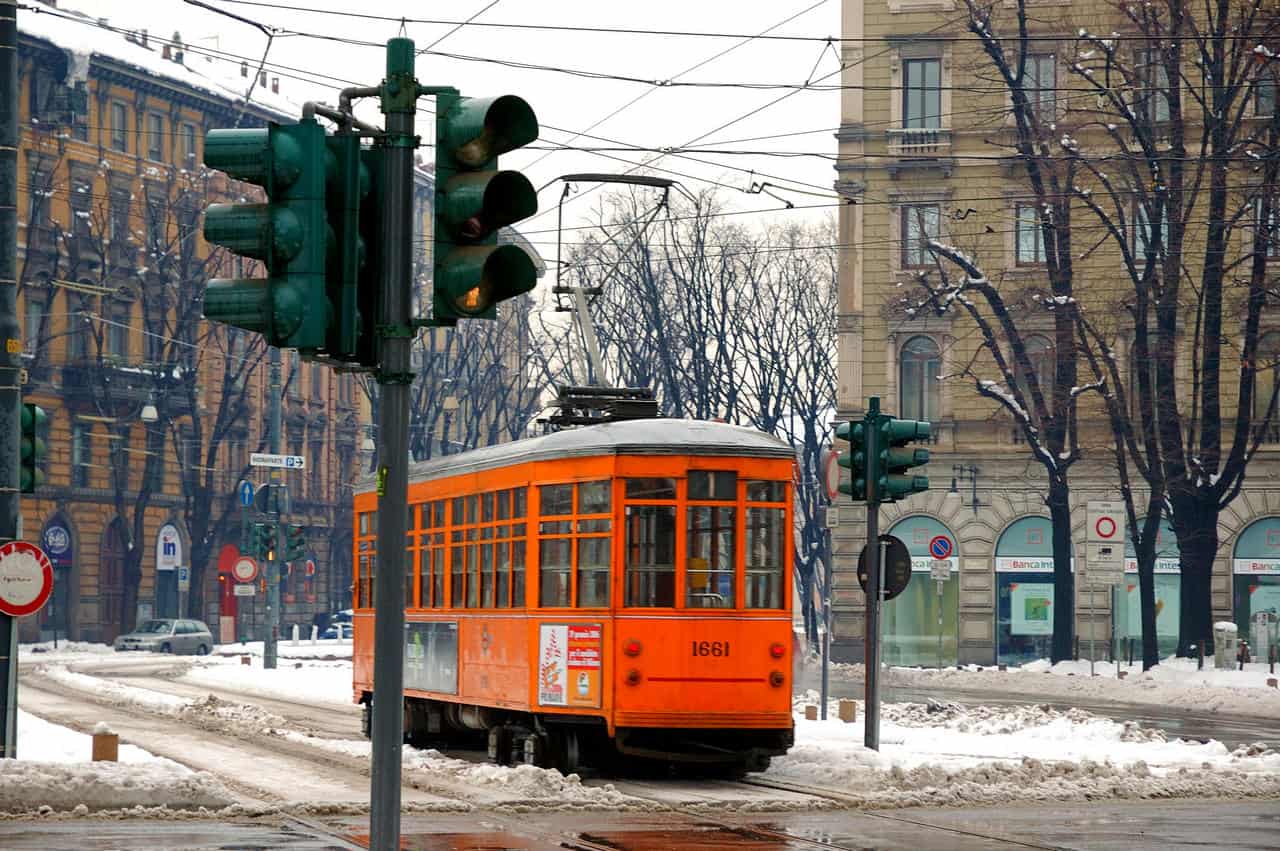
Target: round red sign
[26,578]
[1106,527]
[244,569]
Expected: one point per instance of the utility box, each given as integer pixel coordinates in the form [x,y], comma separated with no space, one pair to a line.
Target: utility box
[1226,643]
[1264,633]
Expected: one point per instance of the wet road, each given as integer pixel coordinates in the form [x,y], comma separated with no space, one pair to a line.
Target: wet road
[1231,730]
[1085,826]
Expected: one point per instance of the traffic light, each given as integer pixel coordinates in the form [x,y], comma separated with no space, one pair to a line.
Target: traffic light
[289,233]
[855,460]
[352,272]
[264,541]
[473,200]
[31,476]
[896,458]
[295,542]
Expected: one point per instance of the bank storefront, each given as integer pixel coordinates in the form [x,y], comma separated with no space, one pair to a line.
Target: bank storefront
[1255,568]
[921,624]
[1168,576]
[1024,591]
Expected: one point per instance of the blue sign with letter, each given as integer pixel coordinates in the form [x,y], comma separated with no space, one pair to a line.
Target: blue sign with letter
[246,493]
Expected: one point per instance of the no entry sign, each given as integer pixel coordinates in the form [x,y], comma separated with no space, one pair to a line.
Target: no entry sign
[244,569]
[26,578]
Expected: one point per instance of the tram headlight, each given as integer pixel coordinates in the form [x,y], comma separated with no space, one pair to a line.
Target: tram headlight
[631,648]
[777,649]
[633,677]
[776,679]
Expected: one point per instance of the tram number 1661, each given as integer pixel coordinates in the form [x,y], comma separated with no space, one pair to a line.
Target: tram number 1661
[710,648]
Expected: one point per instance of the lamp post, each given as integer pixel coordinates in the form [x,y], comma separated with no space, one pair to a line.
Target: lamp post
[966,473]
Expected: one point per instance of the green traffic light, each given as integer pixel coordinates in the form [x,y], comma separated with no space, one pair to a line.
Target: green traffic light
[476,130]
[896,458]
[473,279]
[855,460]
[32,448]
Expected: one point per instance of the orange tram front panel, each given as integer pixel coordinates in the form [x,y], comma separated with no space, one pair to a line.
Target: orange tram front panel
[643,596]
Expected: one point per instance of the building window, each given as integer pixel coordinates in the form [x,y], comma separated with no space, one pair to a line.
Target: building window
[39,191]
[920,223]
[119,127]
[1040,355]
[922,94]
[1265,97]
[78,331]
[81,202]
[155,137]
[1271,231]
[1135,372]
[1153,102]
[118,221]
[188,144]
[1041,85]
[1029,238]
[34,311]
[1143,234]
[919,366]
[1266,382]
[118,330]
[81,454]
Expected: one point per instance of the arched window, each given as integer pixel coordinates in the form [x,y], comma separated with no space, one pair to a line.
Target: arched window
[1266,380]
[919,365]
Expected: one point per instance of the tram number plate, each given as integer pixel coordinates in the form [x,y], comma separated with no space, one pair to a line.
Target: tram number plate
[710,648]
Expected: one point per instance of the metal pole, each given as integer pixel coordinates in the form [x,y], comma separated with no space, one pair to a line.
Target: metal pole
[939,624]
[399,91]
[269,644]
[871,642]
[589,341]
[1093,626]
[826,623]
[10,355]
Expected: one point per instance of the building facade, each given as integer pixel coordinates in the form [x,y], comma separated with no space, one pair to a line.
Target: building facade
[152,411]
[924,152]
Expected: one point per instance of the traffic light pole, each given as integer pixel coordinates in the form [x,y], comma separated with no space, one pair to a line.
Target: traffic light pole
[10,357]
[270,642]
[399,92]
[871,641]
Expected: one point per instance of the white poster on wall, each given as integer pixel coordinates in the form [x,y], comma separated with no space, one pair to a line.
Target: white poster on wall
[168,548]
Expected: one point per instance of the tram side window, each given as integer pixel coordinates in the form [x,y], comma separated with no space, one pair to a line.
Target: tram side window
[456,559]
[766,539]
[651,555]
[368,565]
[593,543]
[553,565]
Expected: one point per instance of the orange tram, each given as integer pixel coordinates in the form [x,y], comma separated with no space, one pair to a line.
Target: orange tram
[613,593]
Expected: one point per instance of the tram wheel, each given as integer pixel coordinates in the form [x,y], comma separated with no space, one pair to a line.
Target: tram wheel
[570,752]
[535,750]
[500,745]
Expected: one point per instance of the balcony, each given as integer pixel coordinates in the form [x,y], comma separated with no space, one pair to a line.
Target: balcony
[926,142]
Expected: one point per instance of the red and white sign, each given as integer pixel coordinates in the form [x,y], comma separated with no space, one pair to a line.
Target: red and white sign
[831,473]
[26,578]
[311,567]
[245,569]
[1104,522]
[1105,527]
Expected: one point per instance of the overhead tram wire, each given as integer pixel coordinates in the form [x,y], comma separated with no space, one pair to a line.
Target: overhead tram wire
[396,19]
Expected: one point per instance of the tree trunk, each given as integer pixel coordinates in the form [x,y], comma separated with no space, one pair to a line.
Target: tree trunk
[1195,524]
[1064,610]
[132,583]
[1147,602]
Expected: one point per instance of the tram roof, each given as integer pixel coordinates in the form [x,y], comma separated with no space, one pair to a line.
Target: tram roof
[628,437]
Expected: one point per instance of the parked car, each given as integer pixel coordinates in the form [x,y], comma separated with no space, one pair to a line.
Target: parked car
[343,616]
[337,630]
[168,635]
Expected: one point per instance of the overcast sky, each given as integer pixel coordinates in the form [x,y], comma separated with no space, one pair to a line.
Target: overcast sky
[663,117]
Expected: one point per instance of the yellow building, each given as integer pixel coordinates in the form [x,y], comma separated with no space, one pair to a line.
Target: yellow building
[924,152]
[152,411]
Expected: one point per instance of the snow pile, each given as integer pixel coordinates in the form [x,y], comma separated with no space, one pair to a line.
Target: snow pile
[313,681]
[324,648]
[113,692]
[53,773]
[45,650]
[945,754]
[1174,682]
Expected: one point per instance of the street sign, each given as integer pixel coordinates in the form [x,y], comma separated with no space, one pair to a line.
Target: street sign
[246,490]
[245,569]
[940,547]
[1104,522]
[1103,565]
[184,578]
[26,578]
[833,517]
[940,570]
[243,589]
[896,565]
[288,462]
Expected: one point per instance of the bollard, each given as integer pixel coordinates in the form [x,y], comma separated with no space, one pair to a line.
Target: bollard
[847,710]
[1271,681]
[1242,654]
[1274,653]
[1200,656]
[106,744]
[244,660]
[811,712]
[1075,651]
[315,634]
[1122,675]
[1130,652]
[295,635]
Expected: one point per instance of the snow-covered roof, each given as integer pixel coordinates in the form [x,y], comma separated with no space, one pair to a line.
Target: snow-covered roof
[83,36]
[630,437]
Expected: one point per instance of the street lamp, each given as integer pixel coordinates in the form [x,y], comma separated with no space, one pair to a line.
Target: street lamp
[963,473]
[149,414]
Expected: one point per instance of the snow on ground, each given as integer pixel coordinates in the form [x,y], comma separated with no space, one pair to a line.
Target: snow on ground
[946,754]
[324,648]
[45,651]
[315,681]
[53,771]
[1174,682]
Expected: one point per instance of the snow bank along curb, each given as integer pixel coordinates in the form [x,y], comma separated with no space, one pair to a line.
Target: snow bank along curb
[84,787]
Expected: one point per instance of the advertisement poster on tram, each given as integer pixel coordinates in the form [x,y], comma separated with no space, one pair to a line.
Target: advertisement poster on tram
[569,664]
